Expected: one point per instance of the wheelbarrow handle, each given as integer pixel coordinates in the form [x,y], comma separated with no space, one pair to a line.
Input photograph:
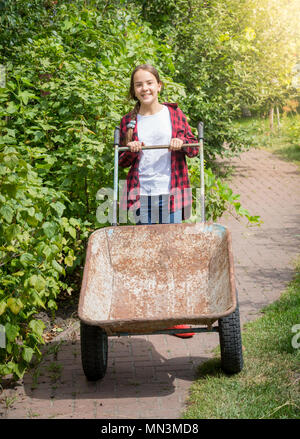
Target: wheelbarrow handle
[116,172]
[202,187]
[192,145]
[200,129]
[117,136]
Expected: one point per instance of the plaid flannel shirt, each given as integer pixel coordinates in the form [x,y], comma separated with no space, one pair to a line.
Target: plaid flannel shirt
[180,194]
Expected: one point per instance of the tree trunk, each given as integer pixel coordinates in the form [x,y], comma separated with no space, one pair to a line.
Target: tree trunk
[278,117]
[271,118]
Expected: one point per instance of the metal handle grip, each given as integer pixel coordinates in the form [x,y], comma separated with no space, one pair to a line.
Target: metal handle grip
[117,136]
[200,129]
[192,145]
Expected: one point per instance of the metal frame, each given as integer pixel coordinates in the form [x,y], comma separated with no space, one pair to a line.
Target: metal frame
[167,331]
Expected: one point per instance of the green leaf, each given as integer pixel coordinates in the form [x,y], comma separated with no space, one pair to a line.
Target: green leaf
[11,161]
[52,304]
[32,280]
[19,273]
[72,232]
[38,282]
[47,251]
[27,354]
[26,259]
[15,304]
[19,369]
[36,299]
[2,307]
[67,25]
[50,229]
[74,222]
[7,213]
[31,211]
[12,108]
[58,267]
[6,369]
[37,327]
[32,221]
[69,260]
[26,95]
[58,207]
[11,331]
[9,347]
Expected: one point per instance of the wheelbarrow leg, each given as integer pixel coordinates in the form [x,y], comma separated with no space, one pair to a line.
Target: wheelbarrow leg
[231,343]
[94,348]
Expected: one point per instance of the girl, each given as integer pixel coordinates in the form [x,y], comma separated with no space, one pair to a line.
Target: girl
[158,188]
[157,182]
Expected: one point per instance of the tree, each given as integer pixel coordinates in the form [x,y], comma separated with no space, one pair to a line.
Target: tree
[228,54]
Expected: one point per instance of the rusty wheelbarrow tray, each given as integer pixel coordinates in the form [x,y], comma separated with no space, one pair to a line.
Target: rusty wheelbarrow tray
[145,279]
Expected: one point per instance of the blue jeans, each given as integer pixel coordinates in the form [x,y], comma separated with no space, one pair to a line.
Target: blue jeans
[154,210]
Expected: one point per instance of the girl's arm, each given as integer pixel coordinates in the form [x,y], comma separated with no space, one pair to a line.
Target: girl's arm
[126,158]
[187,136]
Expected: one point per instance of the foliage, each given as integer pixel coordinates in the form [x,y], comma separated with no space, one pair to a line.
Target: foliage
[284,140]
[293,131]
[230,55]
[37,244]
[67,73]
[219,197]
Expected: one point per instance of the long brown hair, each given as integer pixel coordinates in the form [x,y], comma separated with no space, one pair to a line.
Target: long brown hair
[132,95]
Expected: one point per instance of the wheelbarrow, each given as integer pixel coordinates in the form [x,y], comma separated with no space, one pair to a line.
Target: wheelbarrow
[140,280]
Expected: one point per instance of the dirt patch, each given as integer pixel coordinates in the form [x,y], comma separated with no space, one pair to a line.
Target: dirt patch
[62,319]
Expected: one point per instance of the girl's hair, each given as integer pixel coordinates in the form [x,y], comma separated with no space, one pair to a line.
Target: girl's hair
[131,94]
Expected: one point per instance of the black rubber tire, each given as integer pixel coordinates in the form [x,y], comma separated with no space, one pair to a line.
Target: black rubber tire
[94,350]
[231,343]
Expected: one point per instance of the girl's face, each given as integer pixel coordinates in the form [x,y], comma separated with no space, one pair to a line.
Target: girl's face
[146,87]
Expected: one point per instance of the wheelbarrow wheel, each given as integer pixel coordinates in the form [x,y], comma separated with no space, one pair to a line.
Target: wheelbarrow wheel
[94,349]
[231,343]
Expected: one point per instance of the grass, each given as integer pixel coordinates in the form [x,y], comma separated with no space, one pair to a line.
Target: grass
[268,387]
[284,140]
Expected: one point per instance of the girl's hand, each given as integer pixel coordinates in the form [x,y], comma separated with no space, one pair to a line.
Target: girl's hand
[176,144]
[135,146]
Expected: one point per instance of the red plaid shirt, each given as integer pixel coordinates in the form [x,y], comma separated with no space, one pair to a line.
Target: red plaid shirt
[180,195]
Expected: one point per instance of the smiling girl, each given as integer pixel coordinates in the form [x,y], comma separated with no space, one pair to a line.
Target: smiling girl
[157,182]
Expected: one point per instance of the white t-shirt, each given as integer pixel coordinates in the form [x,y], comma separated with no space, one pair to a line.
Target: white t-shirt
[155,164]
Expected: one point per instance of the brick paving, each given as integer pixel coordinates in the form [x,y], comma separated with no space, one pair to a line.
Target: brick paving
[149,377]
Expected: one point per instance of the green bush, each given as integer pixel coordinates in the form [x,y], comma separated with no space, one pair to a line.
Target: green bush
[219,197]
[228,55]
[37,244]
[67,73]
[293,130]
